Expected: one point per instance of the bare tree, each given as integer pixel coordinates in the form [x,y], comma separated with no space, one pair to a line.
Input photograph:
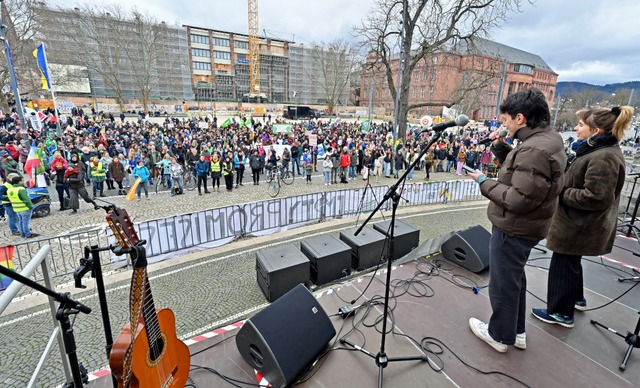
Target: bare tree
[335,62]
[431,27]
[142,49]
[20,19]
[92,32]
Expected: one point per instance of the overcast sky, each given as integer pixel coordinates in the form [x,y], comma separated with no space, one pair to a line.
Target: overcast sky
[594,41]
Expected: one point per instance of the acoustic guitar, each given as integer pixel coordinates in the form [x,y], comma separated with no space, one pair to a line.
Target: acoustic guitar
[151,355]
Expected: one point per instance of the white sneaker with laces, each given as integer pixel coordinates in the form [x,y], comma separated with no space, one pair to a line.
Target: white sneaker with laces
[481,330]
[521,341]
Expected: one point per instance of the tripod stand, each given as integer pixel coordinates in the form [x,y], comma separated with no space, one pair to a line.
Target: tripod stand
[67,307]
[381,358]
[631,338]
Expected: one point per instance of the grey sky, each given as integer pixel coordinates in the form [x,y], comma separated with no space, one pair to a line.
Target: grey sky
[594,41]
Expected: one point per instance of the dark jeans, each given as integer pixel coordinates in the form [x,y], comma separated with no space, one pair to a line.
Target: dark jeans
[296,165]
[564,286]
[256,175]
[62,188]
[507,285]
[202,181]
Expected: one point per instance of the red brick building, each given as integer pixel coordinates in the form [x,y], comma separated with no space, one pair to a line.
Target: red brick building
[468,76]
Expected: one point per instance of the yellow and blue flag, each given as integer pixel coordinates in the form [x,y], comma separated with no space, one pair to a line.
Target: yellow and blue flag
[42,65]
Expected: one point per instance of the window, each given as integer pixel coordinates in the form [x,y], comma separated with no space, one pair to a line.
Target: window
[199,39]
[520,68]
[221,42]
[200,53]
[201,66]
[222,55]
[242,45]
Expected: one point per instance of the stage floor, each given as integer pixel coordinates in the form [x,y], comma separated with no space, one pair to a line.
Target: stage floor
[437,307]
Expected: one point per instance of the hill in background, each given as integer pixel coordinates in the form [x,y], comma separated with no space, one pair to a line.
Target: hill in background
[565,88]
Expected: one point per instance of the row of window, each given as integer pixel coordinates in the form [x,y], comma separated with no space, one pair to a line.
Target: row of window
[221,42]
[199,39]
[222,55]
[216,54]
[200,53]
[218,41]
[201,66]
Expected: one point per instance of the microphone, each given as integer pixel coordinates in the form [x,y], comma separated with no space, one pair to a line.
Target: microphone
[487,140]
[461,121]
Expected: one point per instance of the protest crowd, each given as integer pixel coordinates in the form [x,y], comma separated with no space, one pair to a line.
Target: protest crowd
[92,153]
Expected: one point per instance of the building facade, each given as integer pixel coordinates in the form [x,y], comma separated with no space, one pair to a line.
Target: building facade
[220,65]
[119,55]
[470,77]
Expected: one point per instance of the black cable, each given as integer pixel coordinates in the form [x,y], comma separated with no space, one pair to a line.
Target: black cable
[426,342]
[601,262]
[214,345]
[230,380]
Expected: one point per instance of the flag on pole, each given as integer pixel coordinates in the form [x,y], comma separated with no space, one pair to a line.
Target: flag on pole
[226,123]
[364,126]
[6,260]
[42,64]
[32,163]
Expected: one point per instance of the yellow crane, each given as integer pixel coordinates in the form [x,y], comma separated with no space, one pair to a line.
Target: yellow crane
[254,53]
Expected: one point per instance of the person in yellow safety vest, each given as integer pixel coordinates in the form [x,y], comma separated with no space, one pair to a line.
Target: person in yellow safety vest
[98,176]
[6,204]
[22,205]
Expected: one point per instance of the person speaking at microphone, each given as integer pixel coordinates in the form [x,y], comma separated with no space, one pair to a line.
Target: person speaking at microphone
[522,202]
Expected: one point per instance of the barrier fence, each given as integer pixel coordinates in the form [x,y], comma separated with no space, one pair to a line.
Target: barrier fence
[213,227]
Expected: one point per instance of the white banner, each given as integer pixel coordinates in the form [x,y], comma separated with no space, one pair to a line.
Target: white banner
[180,234]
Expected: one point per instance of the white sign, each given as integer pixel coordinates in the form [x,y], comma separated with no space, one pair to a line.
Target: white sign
[426,121]
[313,140]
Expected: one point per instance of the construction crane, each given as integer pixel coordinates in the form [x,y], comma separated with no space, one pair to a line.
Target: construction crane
[254,54]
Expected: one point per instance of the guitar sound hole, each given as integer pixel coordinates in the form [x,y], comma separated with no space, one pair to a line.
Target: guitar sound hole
[156,349]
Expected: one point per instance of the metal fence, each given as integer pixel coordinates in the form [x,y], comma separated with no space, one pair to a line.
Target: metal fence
[217,226]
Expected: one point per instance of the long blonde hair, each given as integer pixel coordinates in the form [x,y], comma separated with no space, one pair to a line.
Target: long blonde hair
[614,120]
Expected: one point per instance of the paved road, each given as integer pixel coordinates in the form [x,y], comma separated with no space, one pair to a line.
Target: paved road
[205,290]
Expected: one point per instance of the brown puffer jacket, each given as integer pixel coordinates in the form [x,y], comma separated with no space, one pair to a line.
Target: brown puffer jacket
[525,196]
[587,216]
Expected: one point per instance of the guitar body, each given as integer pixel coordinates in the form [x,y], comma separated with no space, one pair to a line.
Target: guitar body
[170,369]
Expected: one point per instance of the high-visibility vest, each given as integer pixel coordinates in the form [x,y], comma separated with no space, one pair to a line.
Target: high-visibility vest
[17,204]
[8,186]
[216,166]
[97,170]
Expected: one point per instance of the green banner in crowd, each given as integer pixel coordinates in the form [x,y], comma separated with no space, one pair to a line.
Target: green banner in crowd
[282,128]
[364,126]
[226,123]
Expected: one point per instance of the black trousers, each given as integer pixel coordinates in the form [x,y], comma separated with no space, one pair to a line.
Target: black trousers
[202,181]
[564,286]
[255,172]
[508,285]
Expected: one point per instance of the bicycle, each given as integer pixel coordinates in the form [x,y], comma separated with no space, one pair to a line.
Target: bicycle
[189,178]
[280,174]
[160,183]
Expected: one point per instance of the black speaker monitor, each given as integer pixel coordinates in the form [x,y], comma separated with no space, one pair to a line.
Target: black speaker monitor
[286,337]
[469,248]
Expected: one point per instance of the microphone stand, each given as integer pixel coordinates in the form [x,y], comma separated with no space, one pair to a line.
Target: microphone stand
[68,306]
[91,262]
[382,360]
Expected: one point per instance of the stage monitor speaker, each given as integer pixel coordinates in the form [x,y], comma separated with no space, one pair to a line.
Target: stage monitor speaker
[469,248]
[286,337]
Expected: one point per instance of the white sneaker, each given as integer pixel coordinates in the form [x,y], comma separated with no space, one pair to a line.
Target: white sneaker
[521,341]
[481,330]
